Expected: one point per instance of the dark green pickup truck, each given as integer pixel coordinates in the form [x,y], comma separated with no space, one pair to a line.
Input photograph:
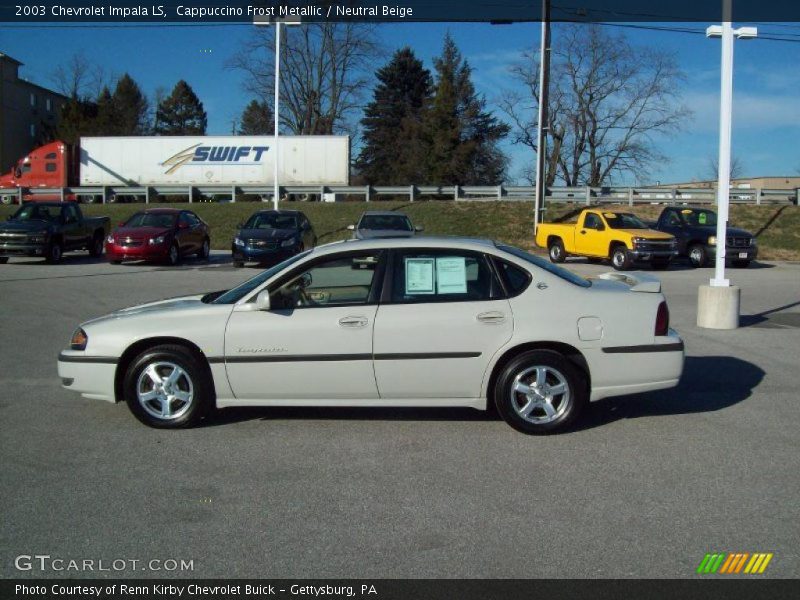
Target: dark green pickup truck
[48,229]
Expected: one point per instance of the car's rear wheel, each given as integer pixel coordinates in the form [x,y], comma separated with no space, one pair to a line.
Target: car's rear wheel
[167,387]
[698,255]
[621,258]
[96,248]
[540,392]
[556,251]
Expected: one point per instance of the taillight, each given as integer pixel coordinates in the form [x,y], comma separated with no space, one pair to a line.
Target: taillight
[662,319]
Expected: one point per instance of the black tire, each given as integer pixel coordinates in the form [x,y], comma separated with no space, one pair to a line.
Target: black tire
[620,258]
[556,251]
[566,406]
[237,264]
[660,264]
[741,264]
[199,387]
[174,255]
[698,257]
[3,260]
[55,252]
[96,247]
[205,250]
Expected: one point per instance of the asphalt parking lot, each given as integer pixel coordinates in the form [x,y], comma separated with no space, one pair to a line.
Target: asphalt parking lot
[643,488]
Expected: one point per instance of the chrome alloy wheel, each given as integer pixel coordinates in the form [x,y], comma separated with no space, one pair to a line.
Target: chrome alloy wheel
[696,255]
[540,394]
[164,390]
[618,258]
[555,252]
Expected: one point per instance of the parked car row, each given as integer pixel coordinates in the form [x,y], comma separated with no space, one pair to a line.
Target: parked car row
[624,239]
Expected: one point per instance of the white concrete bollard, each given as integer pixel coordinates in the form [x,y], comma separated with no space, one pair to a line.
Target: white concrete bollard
[718,307]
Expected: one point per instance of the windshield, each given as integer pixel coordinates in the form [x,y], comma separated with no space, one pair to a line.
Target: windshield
[385,222]
[143,219]
[271,221]
[38,212]
[699,217]
[624,221]
[240,291]
[547,266]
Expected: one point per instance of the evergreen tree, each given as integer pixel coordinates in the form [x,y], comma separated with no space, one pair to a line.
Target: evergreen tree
[106,119]
[392,144]
[257,119]
[181,113]
[462,136]
[130,108]
[76,119]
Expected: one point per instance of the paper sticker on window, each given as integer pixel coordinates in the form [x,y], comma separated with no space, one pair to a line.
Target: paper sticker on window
[701,218]
[451,275]
[419,275]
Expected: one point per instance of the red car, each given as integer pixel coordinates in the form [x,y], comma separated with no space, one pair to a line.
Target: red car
[159,234]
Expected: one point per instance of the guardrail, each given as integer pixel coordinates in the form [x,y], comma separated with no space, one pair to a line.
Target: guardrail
[587,195]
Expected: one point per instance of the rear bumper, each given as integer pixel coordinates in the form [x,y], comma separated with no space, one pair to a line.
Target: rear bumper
[90,376]
[143,252]
[620,370]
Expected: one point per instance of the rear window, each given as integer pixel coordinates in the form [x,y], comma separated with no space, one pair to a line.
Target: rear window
[546,265]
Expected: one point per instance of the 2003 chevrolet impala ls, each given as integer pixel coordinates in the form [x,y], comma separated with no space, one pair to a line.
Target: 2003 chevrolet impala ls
[387,322]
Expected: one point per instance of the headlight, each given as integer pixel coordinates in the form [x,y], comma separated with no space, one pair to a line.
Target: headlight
[712,241]
[238,242]
[110,238]
[157,240]
[639,240]
[288,243]
[79,339]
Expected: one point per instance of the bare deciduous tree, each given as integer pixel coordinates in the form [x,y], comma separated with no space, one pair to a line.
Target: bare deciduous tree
[325,71]
[608,103]
[79,78]
[737,168]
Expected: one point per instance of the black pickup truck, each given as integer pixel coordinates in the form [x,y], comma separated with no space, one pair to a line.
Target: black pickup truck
[696,232]
[48,229]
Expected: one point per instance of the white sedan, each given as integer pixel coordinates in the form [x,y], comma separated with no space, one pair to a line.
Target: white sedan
[392,322]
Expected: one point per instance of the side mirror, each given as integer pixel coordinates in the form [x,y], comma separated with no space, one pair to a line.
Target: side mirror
[262,300]
[351,227]
[419,228]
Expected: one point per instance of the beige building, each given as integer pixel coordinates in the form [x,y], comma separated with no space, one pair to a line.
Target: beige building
[28,113]
[750,183]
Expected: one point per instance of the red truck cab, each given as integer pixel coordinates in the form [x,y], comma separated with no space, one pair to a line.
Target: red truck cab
[49,166]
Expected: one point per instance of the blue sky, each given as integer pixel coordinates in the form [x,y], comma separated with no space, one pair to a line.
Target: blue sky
[766,133]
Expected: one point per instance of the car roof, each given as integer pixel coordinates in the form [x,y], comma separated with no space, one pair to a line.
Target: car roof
[383,213]
[455,242]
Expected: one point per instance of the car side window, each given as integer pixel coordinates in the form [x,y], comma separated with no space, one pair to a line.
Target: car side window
[516,279]
[337,281]
[184,219]
[70,214]
[193,219]
[673,220]
[592,221]
[442,276]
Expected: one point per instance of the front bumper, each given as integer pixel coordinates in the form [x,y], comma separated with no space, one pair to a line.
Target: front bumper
[22,249]
[90,376]
[250,254]
[144,252]
[638,254]
[734,253]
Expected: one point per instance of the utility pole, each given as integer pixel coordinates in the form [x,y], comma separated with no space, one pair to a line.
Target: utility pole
[718,302]
[541,130]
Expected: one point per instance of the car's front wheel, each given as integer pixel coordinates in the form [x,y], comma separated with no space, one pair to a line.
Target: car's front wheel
[167,387]
[620,258]
[173,255]
[698,257]
[540,392]
[205,250]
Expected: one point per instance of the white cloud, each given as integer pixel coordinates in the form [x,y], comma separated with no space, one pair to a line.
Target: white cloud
[751,110]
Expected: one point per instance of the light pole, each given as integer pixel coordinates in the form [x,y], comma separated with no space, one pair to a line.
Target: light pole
[718,302]
[541,130]
[276,107]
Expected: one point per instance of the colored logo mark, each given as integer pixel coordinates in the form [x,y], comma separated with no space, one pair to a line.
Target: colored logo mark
[734,562]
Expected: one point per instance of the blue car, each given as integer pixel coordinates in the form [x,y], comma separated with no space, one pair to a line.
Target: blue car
[270,236]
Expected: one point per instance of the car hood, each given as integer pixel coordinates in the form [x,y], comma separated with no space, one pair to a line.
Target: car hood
[25,226]
[650,234]
[266,234]
[141,232]
[366,234]
[166,306]
[712,230]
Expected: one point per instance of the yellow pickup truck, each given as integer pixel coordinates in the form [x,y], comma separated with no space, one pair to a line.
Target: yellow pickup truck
[602,234]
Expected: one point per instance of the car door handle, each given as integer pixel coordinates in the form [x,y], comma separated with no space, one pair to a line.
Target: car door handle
[583,232]
[353,321]
[491,317]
